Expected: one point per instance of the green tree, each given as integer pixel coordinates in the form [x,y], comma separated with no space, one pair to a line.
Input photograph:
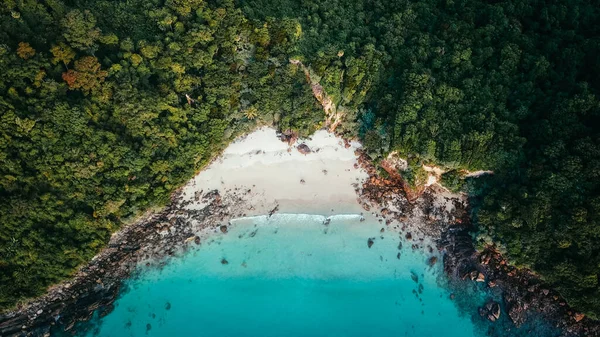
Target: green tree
[62,53]
[80,31]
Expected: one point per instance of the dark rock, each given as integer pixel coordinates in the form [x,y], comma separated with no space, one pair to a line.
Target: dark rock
[224,229]
[370,242]
[517,314]
[224,261]
[274,210]
[105,310]
[303,148]
[432,261]
[495,310]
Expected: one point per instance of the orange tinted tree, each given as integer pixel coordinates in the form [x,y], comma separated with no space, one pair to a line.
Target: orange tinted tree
[87,75]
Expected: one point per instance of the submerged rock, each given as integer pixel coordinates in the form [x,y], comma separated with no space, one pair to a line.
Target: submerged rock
[414,276]
[370,242]
[223,229]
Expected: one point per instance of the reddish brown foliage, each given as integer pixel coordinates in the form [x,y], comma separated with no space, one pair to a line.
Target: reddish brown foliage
[86,76]
[70,77]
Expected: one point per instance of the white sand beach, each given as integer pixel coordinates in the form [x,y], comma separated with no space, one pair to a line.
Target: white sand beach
[278,174]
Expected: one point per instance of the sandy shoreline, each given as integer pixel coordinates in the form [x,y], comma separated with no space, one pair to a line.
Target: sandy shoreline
[258,175]
[278,174]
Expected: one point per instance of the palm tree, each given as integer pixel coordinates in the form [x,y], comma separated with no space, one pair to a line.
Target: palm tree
[251,113]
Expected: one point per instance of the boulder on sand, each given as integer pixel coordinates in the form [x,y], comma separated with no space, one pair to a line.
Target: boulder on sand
[303,148]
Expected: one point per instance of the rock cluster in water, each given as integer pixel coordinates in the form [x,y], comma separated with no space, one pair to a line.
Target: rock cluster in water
[96,285]
[523,295]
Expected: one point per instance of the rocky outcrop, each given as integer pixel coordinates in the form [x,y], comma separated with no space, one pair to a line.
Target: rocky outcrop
[95,286]
[491,311]
[516,295]
[524,296]
[288,136]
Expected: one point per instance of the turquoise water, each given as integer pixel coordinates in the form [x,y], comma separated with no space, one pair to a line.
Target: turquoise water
[289,275]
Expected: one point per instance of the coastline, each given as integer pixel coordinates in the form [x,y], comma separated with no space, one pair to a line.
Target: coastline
[521,294]
[259,175]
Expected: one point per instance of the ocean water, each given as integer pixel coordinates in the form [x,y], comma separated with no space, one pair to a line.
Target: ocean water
[291,275]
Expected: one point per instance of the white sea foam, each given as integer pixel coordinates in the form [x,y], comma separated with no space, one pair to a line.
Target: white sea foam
[284,218]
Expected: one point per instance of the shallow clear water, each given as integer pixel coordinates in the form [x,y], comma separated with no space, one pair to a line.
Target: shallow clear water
[289,275]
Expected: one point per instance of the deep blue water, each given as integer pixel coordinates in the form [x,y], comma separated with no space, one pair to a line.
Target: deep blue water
[292,276]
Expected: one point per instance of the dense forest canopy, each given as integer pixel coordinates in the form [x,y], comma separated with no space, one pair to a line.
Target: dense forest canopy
[108,106]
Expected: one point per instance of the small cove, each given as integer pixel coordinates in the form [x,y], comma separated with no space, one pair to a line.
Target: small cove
[290,275]
[313,268]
